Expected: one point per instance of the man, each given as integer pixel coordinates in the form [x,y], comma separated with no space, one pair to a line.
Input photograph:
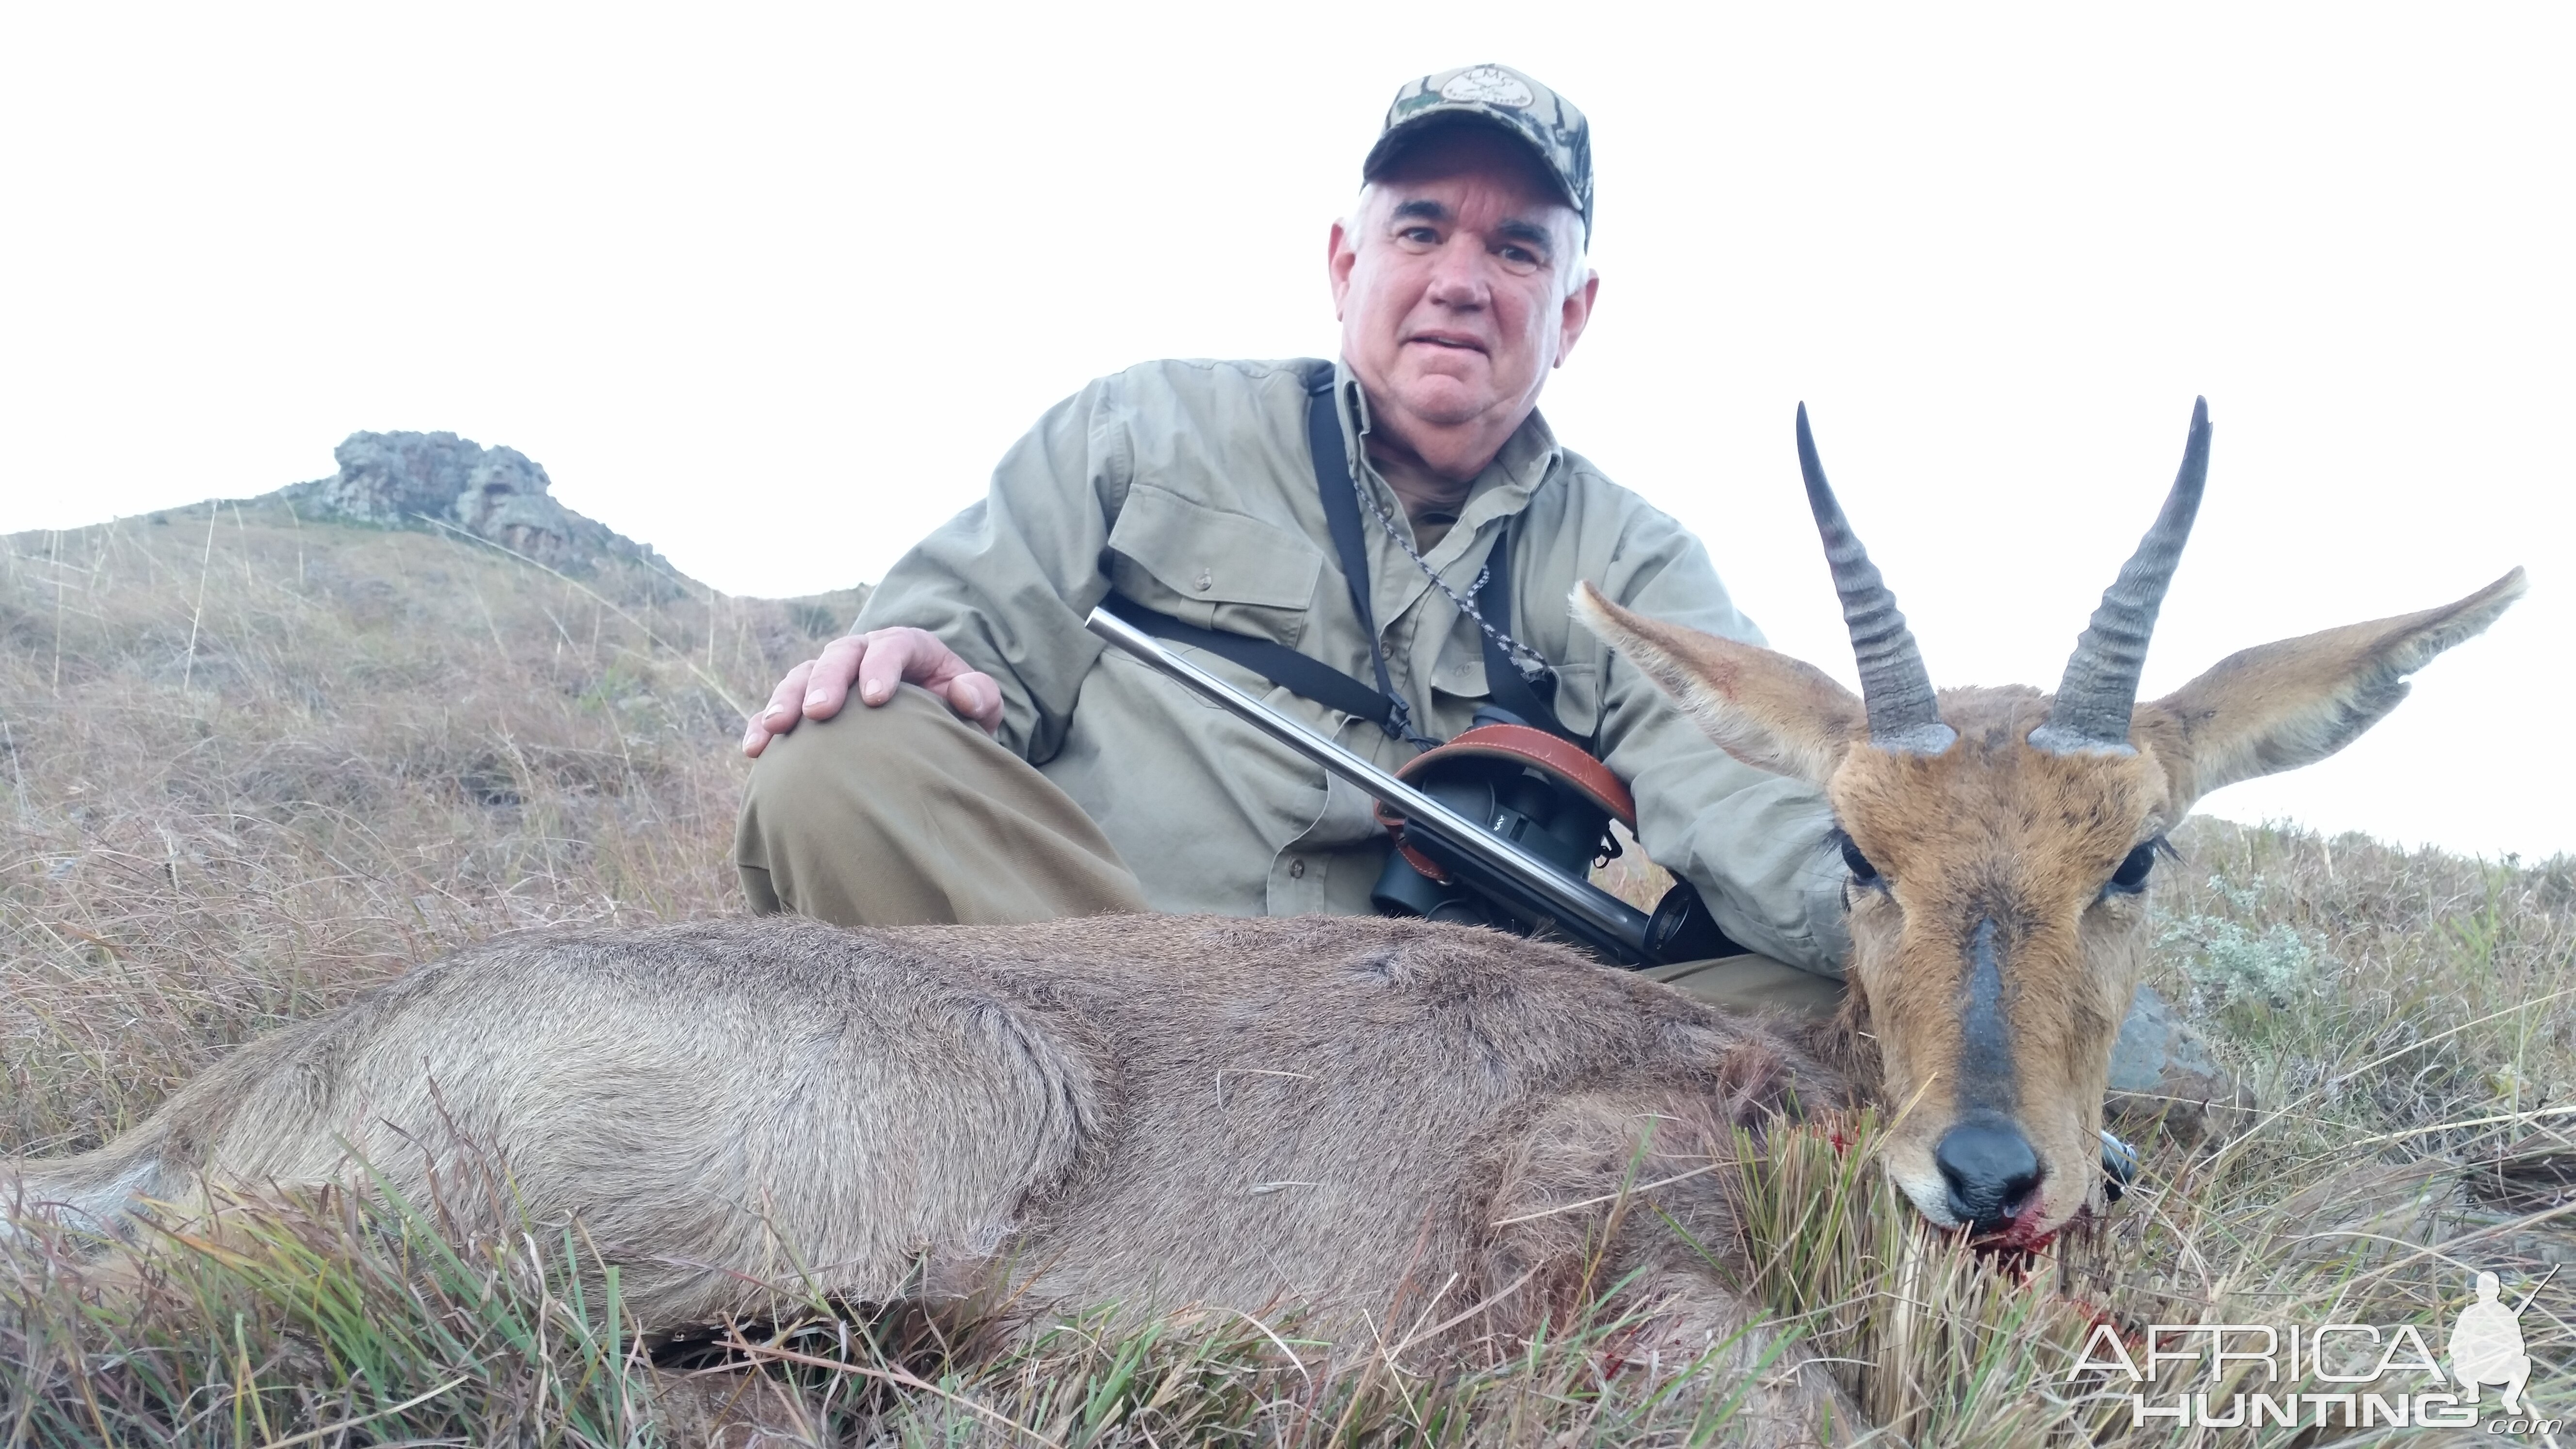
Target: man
[2487,1348]
[1002,767]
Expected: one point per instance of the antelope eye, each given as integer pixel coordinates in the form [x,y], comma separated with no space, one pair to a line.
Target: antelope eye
[2131,877]
[1862,871]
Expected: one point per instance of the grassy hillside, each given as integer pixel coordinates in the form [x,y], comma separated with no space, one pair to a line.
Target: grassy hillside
[256,765]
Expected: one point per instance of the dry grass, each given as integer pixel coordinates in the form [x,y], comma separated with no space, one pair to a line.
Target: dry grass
[254,766]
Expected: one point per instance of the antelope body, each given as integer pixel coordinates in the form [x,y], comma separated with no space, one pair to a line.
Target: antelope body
[1154,1111]
[1337,1113]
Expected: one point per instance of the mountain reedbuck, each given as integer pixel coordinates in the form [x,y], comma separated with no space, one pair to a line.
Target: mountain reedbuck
[2000,841]
[1417,1130]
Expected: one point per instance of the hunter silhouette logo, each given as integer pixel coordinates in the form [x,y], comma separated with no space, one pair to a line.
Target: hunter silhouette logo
[2486,1344]
[2330,1375]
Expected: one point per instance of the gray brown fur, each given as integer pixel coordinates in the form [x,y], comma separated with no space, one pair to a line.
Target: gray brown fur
[1154,1111]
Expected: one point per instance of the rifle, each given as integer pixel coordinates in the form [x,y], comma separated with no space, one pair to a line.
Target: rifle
[1538,894]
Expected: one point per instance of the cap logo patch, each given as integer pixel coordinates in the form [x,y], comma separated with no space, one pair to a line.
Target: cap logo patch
[1490,84]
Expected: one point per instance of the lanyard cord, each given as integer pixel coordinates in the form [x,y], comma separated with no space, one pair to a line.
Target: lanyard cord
[1528,661]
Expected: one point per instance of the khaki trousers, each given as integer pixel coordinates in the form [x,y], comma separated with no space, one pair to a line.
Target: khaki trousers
[907,815]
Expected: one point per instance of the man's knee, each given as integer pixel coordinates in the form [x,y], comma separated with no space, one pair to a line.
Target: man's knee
[905,814]
[818,774]
[851,783]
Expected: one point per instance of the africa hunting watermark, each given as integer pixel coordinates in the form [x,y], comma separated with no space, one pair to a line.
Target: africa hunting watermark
[2373,1375]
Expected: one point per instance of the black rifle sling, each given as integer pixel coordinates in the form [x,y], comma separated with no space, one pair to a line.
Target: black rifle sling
[1338,488]
[1300,675]
[1534,700]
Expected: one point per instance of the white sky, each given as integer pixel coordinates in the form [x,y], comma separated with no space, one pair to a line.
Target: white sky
[771,290]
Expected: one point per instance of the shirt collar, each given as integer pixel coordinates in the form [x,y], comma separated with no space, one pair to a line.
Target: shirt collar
[1528,456]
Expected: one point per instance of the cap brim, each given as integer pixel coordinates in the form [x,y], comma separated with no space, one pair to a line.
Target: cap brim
[1413,129]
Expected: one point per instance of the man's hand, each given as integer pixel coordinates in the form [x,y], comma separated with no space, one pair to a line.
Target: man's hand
[876,661]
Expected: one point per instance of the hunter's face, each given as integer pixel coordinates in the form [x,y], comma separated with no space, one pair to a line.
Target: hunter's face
[1453,283]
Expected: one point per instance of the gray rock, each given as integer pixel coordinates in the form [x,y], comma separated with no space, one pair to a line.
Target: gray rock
[420,480]
[2162,1071]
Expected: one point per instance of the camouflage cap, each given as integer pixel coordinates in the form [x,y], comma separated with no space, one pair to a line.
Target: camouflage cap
[1498,96]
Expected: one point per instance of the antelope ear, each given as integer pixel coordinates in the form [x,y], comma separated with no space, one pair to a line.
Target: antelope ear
[2279,706]
[1770,711]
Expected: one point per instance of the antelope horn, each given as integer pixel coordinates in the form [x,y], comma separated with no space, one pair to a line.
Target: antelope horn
[2091,712]
[1894,686]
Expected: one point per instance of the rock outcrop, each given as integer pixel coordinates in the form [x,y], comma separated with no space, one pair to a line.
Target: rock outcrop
[412,480]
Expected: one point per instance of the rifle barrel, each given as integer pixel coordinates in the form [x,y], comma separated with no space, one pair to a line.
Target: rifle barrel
[1574,900]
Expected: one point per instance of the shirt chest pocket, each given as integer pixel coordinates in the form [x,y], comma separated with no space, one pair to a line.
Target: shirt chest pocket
[1214,569]
[1462,682]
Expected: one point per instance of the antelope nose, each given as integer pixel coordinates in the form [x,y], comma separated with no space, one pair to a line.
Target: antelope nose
[1990,1170]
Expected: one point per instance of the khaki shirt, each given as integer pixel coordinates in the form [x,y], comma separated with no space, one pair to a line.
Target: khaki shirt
[1189,487]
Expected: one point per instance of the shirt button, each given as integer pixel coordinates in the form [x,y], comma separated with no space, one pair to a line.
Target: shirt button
[1205,582]
[1296,869]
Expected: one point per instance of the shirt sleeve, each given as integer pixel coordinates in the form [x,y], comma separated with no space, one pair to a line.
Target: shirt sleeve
[1008,582]
[1757,845]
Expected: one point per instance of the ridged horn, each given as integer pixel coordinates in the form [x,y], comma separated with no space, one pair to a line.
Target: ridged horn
[2094,700]
[1894,686]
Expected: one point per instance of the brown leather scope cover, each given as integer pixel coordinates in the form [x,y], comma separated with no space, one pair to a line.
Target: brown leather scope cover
[1520,744]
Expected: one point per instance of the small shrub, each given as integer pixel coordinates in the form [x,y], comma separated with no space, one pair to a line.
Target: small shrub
[2231,963]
